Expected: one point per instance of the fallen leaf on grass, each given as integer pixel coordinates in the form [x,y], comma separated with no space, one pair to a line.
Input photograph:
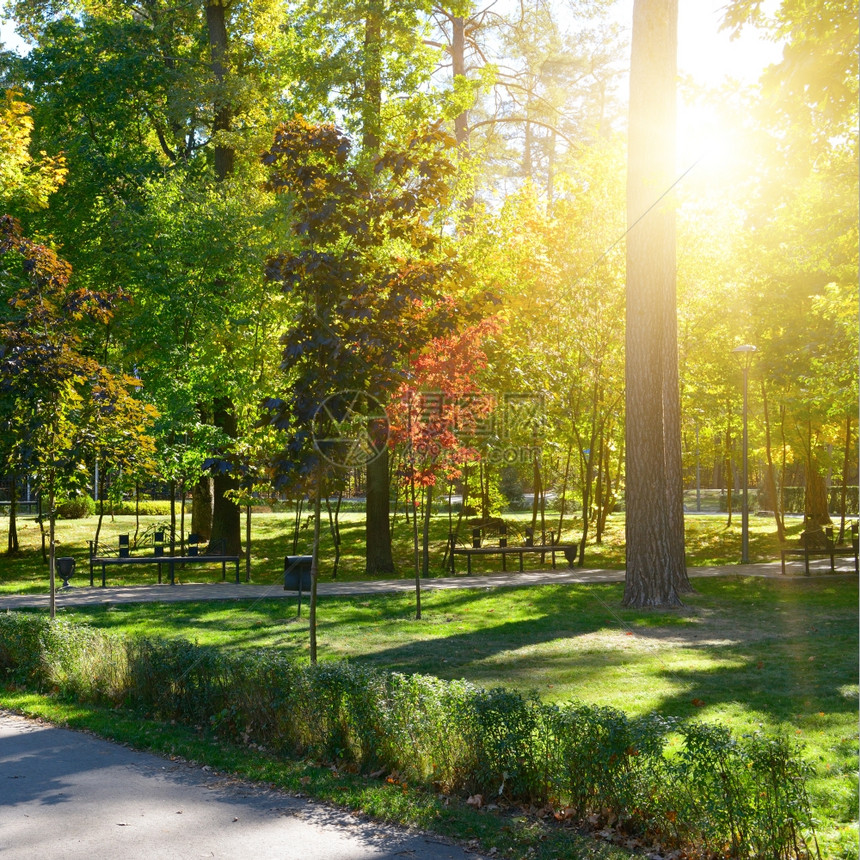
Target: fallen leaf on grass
[476,800]
[697,703]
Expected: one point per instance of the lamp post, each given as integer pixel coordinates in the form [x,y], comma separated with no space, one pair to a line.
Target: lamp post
[745,352]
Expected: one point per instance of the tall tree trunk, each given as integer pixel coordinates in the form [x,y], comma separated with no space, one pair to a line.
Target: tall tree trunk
[226,516]
[201,508]
[656,572]
[816,508]
[378,558]
[216,24]
[371,103]
[458,68]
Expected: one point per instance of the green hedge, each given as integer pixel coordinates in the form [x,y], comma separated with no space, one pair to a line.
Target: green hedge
[681,784]
[148,508]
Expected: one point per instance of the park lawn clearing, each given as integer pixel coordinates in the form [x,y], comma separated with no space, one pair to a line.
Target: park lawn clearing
[748,653]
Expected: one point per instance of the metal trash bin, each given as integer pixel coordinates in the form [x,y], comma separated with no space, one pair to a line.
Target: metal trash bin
[65,567]
[297,575]
[297,572]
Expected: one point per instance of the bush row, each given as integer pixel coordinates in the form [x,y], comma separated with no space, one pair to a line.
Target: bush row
[679,784]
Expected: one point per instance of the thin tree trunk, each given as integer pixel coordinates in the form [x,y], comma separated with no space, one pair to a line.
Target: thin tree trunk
[172,518]
[247,543]
[846,472]
[136,511]
[608,496]
[297,524]
[425,538]
[415,540]
[52,549]
[770,476]
[564,489]
[315,569]
[182,517]
[12,545]
[101,509]
[334,528]
[730,477]
[537,490]
[41,520]
[783,472]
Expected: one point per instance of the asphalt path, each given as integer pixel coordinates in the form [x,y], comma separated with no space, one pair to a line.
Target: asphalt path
[98,596]
[66,794]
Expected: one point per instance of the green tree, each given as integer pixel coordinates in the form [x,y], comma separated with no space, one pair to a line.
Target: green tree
[60,394]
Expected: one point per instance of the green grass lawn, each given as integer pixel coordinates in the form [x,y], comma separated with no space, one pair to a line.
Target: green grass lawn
[709,541]
[747,652]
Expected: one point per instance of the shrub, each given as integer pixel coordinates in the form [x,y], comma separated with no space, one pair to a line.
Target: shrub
[76,508]
[721,795]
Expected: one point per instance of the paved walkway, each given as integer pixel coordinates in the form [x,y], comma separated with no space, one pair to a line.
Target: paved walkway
[71,795]
[86,596]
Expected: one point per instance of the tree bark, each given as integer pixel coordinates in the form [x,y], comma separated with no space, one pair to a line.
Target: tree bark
[425,535]
[226,519]
[12,545]
[216,25]
[201,508]
[458,68]
[379,559]
[371,104]
[656,572]
[770,472]
[816,510]
[846,475]
[315,569]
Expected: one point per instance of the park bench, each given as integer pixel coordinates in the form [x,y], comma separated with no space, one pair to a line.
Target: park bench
[104,556]
[826,548]
[500,530]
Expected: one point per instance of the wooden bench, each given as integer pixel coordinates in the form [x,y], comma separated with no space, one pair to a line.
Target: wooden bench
[102,556]
[830,550]
[479,547]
